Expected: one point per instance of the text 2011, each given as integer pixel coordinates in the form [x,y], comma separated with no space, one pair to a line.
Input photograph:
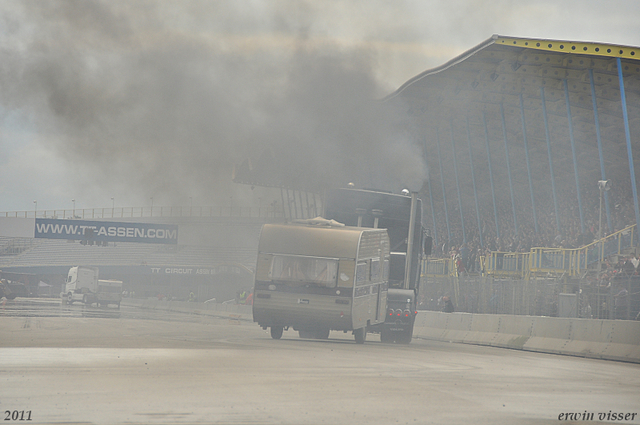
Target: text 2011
[17,415]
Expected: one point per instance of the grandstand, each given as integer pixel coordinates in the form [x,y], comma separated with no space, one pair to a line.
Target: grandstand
[517,133]
[48,252]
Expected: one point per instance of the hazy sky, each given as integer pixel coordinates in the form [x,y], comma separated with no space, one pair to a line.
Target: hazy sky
[132,100]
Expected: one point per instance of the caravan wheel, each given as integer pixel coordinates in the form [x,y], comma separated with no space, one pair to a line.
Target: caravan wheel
[69,298]
[323,333]
[276,332]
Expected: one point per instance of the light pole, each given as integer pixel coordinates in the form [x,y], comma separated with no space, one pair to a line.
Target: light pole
[74,208]
[603,185]
[35,209]
[113,207]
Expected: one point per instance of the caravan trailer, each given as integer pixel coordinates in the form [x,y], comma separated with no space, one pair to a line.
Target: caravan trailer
[317,275]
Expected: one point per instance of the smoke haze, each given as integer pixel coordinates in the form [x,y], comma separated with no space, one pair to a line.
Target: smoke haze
[140,99]
[145,107]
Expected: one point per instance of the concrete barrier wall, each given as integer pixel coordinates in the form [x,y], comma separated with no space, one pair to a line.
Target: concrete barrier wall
[601,339]
[593,338]
[231,311]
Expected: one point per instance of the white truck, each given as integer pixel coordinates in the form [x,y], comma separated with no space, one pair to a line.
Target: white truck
[83,285]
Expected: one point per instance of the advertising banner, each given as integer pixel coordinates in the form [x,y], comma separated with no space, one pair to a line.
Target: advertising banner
[106,231]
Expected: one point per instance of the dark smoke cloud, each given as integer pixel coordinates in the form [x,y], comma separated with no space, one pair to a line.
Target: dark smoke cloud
[161,99]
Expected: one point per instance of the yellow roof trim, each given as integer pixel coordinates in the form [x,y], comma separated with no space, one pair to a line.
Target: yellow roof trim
[580,48]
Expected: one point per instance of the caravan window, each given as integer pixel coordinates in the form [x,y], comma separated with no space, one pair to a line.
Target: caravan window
[362,273]
[321,271]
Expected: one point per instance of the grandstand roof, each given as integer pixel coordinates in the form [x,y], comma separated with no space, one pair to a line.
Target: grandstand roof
[502,70]
[474,88]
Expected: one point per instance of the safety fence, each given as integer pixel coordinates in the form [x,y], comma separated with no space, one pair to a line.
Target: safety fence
[618,298]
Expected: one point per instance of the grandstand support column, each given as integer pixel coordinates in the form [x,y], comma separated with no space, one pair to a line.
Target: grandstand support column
[455,289]
[444,192]
[295,203]
[506,152]
[455,170]
[627,132]
[284,211]
[493,189]
[306,197]
[548,137]
[473,179]
[599,140]
[291,199]
[573,152]
[292,205]
[302,214]
[315,205]
[433,211]
[526,154]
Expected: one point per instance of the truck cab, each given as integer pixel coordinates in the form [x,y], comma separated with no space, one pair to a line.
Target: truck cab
[83,285]
[81,282]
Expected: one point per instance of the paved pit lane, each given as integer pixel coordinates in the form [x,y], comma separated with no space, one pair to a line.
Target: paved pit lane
[75,364]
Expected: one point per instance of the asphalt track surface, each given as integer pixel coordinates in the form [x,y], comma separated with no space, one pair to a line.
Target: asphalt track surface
[74,364]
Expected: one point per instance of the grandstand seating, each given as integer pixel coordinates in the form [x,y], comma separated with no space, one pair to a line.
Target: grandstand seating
[50,252]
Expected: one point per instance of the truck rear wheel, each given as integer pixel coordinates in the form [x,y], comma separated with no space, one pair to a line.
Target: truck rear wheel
[69,298]
[386,336]
[360,335]
[276,332]
[405,337]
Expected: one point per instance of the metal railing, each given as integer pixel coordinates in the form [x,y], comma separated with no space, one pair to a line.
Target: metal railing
[142,212]
[538,261]
[438,266]
[512,264]
[575,262]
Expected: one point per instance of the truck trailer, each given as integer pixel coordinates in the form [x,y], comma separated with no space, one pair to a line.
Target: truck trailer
[401,216]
